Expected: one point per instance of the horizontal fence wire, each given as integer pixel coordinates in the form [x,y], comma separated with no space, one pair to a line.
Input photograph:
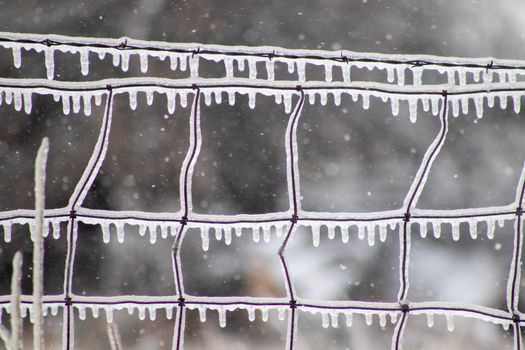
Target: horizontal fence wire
[446,99]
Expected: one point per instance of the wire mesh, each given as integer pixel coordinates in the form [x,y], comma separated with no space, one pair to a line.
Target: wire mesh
[292,93]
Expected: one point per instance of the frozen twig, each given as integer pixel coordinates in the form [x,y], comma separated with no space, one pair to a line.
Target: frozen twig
[114,336]
[38,244]
[16,295]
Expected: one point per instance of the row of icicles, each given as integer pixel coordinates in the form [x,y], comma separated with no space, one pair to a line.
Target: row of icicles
[72,101]
[369,230]
[185,60]
[330,318]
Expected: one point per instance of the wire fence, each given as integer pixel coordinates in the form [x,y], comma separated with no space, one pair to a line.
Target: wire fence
[442,99]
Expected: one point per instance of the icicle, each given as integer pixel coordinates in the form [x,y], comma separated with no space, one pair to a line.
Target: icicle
[324,97]
[84,60]
[349,319]
[337,97]
[346,72]
[66,108]
[368,319]
[516,99]
[382,320]
[251,313]
[360,231]
[464,105]
[142,230]
[270,71]
[450,322]
[344,234]
[451,78]
[287,98]
[366,101]
[149,97]
[152,313]
[240,64]
[105,232]
[81,312]
[487,76]
[393,317]
[194,65]
[426,104]
[170,97]
[164,231]
[227,235]
[183,99]
[205,237]
[455,230]
[17,56]
[143,57]
[124,61]
[316,236]
[231,97]
[490,100]
[174,61]
[394,102]
[94,311]
[18,100]
[218,97]
[423,229]
[505,326]
[169,312]
[7,232]
[331,231]
[86,99]
[264,314]
[98,99]
[325,320]
[478,102]
[120,231]
[430,320]
[252,68]
[335,319]
[503,101]
[207,97]
[50,62]
[109,315]
[8,97]
[202,314]
[328,72]
[400,70]
[228,66]
[152,234]
[251,99]
[511,76]
[257,234]
[222,317]
[370,231]
[382,233]
[56,229]
[476,75]
[266,234]
[462,77]
[417,73]
[142,312]
[290,67]
[183,63]
[27,102]
[76,103]
[436,227]
[490,229]
[301,72]
[473,228]
[412,106]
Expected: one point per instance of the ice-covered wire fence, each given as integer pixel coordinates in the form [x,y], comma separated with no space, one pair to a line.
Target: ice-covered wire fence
[293,94]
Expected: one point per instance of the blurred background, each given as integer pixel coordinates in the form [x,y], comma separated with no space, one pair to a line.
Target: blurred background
[350,159]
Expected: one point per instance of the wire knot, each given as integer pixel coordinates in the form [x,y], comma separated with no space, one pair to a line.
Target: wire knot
[516,318]
[109,87]
[182,302]
[405,308]
[123,44]
[194,86]
[72,214]
[490,65]
[299,88]
[48,42]
[519,211]
[406,217]
[68,301]
[294,218]
[293,304]
[184,220]
[444,93]
[271,55]
[195,52]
